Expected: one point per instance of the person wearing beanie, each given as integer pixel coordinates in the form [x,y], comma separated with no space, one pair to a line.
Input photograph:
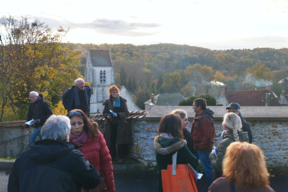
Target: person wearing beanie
[232,124]
[235,108]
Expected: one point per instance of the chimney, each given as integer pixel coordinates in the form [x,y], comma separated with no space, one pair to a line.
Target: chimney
[152,98]
[269,88]
[223,90]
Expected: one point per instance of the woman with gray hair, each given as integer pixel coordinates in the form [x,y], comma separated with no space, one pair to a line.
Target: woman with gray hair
[232,124]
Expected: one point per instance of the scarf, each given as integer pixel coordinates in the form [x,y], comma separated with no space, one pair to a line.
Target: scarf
[77,100]
[78,140]
[114,102]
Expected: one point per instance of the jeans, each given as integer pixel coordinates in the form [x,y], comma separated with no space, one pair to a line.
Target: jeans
[206,165]
[34,135]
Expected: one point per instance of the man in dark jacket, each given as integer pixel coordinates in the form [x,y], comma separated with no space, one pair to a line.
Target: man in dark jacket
[78,97]
[235,108]
[39,110]
[203,132]
[53,164]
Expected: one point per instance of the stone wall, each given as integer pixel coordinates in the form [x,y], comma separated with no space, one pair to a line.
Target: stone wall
[269,128]
[13,138]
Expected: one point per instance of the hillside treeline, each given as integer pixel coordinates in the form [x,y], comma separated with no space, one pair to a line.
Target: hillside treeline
[181,68]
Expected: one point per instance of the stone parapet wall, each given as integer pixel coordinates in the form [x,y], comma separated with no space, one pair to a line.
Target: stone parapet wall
[271,137]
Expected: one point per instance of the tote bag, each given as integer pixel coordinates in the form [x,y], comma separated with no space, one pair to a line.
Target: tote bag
[178,178]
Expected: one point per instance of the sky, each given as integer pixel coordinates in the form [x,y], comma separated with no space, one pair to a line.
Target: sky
[213,24]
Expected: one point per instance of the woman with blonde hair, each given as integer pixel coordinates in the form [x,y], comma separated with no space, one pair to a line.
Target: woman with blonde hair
[187,135]
[244,169]
[116,130]
[232,124]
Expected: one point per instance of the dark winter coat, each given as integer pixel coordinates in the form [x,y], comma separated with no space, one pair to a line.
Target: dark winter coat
[216,162]
[203,130]
[50,165]
[246,127]
[96,152]
[124,132]
[40,109]
[68,98]
[184,156]
[190,143]
[222,185]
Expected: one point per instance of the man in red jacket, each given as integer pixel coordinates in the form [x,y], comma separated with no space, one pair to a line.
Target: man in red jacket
[203,132]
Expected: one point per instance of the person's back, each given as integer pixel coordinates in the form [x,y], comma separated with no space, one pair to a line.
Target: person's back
[53,164]
[242,161]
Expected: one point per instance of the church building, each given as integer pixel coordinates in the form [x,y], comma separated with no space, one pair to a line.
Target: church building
[100,73]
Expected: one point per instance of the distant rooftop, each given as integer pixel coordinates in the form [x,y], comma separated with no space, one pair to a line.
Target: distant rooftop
[100,58]
[251,98]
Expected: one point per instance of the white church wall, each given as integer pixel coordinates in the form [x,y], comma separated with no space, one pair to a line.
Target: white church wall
[130,101]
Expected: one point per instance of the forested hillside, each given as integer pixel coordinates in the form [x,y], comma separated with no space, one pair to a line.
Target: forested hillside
[187,69]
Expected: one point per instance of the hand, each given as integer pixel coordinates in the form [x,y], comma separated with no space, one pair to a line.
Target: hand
[115,115]
[213,152]
[27,130]
[109,116]
[38,121]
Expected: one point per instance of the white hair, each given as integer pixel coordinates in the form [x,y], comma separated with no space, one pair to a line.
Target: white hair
[56,127]
[76,81]
[34,93]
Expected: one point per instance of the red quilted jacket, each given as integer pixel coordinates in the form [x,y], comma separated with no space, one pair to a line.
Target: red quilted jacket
[97,153]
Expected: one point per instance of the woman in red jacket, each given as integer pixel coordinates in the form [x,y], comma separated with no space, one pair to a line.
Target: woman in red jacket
[85,132]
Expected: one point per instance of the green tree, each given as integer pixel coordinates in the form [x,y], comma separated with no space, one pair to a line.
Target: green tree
[123,76]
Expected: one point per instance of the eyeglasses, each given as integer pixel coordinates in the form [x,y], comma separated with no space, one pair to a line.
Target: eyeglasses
[74,113]
[115,92]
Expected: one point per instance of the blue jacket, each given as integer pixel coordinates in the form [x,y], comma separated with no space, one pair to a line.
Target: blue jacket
[69,96]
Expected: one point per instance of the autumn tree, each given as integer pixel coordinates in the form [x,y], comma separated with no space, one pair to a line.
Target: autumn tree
[172,82]
[33,58]
[260,71]
[197,75]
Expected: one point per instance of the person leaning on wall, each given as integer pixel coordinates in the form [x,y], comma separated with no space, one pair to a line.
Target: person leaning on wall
[116,128]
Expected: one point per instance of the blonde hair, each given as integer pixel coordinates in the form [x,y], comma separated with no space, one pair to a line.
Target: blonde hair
[245,165]
[180,112]
[233,123]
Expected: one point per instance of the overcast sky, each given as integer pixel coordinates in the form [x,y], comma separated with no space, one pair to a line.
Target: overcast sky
[214,24]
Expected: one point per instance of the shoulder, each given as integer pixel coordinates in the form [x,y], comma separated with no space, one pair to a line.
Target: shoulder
[87,87]
[219,184]
[122,99]
[106,102]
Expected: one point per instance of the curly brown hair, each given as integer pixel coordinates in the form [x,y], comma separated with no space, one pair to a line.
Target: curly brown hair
[245,165]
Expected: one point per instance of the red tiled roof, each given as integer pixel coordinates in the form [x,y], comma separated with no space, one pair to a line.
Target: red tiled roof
[250,98]
[132,115]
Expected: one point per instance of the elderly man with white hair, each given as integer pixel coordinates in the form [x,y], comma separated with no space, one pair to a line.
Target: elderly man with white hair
[78,97]
[53,164]
[40,111]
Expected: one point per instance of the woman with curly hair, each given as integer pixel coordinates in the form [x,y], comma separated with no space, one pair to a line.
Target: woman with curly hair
[117,131]
[232,124]
[244,169]
[85,133]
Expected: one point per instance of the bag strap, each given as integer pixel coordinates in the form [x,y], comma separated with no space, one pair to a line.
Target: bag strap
[232,187]
[174,163]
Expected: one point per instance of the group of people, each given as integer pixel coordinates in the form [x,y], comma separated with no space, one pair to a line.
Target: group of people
[72,153]
[58,161]
[235,165]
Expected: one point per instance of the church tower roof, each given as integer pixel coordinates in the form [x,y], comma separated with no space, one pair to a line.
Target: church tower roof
[100,58]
